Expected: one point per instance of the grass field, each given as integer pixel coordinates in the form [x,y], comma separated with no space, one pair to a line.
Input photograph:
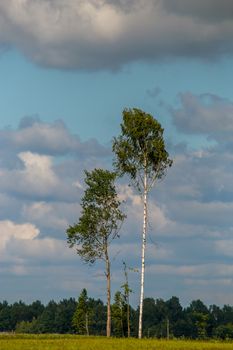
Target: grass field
[59,342]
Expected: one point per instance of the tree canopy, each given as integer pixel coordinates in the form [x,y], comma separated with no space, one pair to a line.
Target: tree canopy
[140,148]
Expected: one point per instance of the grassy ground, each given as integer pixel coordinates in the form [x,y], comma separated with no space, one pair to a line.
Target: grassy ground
[59,342]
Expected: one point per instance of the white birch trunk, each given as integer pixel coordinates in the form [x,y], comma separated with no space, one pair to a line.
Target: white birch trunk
[143,255]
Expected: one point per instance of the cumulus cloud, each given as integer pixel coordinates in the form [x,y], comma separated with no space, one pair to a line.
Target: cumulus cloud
[41,184]
[10,230]
[47,249]
[41,175]
[48,138]
[35,178]
[204,114]
[205,176]
[133,206]
[103,34]
[37,157]
[21,246]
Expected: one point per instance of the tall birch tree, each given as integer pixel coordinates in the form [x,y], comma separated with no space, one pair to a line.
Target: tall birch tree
[98,225]
[140,153]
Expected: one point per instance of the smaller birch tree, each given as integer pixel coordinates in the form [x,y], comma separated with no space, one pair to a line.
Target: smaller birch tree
[140,153]
[98,225]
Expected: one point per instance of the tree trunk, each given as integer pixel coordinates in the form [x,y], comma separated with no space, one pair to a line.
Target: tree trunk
[108,276]
[143,255]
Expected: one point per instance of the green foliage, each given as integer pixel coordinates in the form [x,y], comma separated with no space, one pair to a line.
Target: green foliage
[98,317]
[100,218]
[140,148]
[63,315]
[201,321]
[224,331]
[30,327]
[47,318]
[81,317]
[195,321]
[119,315]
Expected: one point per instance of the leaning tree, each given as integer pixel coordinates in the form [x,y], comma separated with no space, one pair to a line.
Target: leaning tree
[99,224]
[140,153]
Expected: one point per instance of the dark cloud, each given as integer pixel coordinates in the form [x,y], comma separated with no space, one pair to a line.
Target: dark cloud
[212,10]
[90,35]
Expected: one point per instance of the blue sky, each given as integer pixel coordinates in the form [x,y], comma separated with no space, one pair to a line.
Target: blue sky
[68,69]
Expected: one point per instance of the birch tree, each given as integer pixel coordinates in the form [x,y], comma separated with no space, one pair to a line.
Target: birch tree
[140,153]
[98,225]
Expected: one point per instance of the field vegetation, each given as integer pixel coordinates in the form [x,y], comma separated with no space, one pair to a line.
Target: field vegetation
[72,342]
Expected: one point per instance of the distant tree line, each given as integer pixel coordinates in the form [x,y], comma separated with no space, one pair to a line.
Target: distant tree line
[161,319]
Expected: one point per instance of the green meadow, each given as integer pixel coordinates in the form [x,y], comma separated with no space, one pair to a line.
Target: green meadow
[72,342]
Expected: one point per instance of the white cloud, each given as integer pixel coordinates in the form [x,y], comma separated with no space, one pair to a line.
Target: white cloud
[225,247]
[134,209]
[38,170]
[46,215]
[10,230]
[47,249]
[78,184]
[36,177]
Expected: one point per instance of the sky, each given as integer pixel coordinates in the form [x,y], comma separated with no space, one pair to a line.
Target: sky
[68,68]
